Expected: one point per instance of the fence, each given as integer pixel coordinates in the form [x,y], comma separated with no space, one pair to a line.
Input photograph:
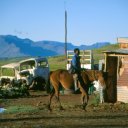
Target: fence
[86,58]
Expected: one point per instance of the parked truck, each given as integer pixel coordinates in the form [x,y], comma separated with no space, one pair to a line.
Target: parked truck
[34,71]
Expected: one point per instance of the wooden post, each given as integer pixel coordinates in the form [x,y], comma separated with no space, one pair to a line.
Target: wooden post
[105,66]
[118,67]
[66,34]
[66,38]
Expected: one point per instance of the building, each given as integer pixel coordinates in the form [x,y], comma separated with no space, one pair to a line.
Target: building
[116,66]
[123,42]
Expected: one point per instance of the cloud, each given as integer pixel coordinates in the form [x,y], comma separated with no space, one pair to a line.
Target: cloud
[18,32]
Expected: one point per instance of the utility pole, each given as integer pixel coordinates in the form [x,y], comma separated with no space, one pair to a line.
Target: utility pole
[66,34]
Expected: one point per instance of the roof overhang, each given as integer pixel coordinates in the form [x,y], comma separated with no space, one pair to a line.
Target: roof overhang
[118,52]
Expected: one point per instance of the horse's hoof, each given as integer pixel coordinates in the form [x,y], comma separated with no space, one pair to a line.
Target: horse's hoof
[84,106]
[84,109]
[38,104]
[50,110]
[61,108]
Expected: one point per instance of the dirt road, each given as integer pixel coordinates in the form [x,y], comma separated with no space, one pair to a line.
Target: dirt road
[96,115]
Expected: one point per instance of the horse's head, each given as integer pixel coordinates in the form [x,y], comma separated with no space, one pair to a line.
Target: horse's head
[95,75]
[100,77]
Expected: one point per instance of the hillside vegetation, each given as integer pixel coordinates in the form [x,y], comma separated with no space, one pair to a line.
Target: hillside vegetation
[98,53]
[58,62]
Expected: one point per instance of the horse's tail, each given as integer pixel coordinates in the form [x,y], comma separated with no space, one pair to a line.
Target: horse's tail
[48,84]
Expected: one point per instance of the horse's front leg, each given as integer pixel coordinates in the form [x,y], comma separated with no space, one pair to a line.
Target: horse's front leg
[101,91]
[84,97]
[101,95]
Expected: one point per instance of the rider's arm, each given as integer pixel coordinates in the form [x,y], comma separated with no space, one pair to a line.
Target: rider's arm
[74,62]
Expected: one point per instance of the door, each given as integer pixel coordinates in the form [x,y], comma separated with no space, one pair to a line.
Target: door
[111,83]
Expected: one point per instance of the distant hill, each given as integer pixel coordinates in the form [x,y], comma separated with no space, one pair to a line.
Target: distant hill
[12,46]
[58,47]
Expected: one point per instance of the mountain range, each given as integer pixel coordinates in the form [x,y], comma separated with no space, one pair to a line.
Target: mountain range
[13,46]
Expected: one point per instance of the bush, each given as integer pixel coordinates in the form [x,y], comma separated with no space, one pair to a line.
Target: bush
[14,92]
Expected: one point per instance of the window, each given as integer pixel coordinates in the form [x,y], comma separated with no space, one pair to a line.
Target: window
[42,64]
[27,65]
[8,72]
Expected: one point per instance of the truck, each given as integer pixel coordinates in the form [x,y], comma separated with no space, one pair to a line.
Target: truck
[32,70]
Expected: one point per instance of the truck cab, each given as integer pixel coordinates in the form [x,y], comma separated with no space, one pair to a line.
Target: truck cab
[33,68]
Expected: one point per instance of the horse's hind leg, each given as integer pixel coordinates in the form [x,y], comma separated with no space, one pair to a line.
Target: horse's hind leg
[58,98]
[51,96]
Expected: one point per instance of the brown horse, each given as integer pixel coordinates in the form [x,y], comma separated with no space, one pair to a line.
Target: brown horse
[64,78]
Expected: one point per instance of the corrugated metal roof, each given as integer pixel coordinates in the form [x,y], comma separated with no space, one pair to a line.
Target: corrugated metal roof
[118,51]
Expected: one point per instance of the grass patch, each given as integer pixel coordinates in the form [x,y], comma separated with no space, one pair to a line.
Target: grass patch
[95,100]
[20,109]
[57,62]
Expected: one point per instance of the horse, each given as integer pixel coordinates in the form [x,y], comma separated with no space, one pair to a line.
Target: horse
[62,77]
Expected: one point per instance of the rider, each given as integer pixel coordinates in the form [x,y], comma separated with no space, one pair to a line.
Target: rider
[75,63]
[76,60]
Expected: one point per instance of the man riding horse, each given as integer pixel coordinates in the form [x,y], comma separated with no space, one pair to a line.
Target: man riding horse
[83,79]
[76,68]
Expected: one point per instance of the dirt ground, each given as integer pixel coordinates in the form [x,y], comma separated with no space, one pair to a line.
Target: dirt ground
[96,115]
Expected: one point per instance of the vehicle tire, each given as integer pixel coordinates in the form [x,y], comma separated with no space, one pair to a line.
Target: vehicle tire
[38,83]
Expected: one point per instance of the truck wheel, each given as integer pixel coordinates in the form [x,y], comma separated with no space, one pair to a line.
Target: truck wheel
[38,83]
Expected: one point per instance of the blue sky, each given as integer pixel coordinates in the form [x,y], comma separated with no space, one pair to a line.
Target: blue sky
[89,21]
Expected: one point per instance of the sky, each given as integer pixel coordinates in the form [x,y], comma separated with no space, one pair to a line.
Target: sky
[88,21]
